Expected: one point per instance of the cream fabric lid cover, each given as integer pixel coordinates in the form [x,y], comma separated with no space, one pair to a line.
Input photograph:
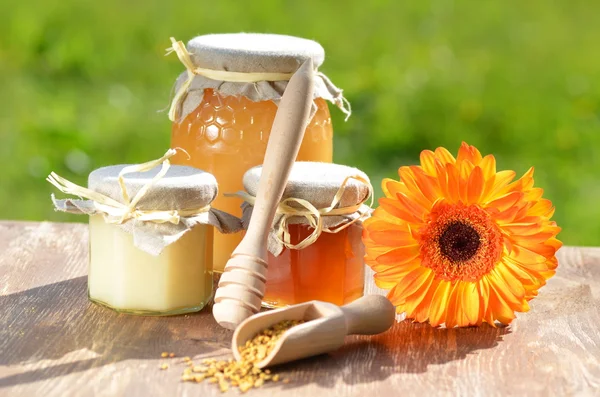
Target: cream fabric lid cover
[317,183]
[320,184]
[252,53]
[181,188]
[187,190]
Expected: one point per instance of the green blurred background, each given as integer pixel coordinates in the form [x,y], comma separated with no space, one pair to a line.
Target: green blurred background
[81,83]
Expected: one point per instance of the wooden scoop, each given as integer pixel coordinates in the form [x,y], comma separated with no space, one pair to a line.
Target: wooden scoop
[324,330]
[242,285]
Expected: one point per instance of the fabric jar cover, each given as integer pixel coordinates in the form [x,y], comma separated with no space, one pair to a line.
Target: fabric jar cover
[250,53]
[182,188]
[321,185]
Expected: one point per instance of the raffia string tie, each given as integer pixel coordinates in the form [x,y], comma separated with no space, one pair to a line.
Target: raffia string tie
[312,214]
[116,212]
[221,75]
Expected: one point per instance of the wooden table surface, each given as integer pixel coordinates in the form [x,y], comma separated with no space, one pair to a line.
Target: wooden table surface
[53,342]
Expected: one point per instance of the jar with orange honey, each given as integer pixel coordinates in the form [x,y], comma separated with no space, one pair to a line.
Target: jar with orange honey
[225,104]
[315,246]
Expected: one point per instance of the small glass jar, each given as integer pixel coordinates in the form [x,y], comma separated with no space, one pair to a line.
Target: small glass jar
[305,264]
[129,280]
[225,125]
[152,257]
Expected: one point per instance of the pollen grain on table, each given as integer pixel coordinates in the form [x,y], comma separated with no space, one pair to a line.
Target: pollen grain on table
[458,243]
[243,374]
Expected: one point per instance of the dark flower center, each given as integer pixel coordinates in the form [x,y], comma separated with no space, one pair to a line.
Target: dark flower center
[459,242]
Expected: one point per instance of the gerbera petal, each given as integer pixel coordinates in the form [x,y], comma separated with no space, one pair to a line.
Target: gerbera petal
[525,183]
[552,263]
[501,288]
[541,208]
[428,162]
[470,303]
[548,274]
[514,284]
[411,283]
[439,303]
[532,240]
[506,216]
[411,206]
[381,213]
[464,171]
[499,308]
[526,256]
[554,243]
[399,255]
[527,179]
[505,202]
[391,187]
[392,237]
[412,301]
[534,194]
[468,152]
[453,183]
[395,208]
[488,166]
[400,267]
[387,278]
[442,179]
[444,156]
[428,185]
[461,315]
[421,312]
[502,179]
[542,250]
[385,284]
[475,186]
[371,248]
[522,229]
[412,188]
[526,260]
[377,224]
[453,304]
[521,215]
[502,312]
[485,311]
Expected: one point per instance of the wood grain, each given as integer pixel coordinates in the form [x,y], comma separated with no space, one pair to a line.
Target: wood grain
[53,342]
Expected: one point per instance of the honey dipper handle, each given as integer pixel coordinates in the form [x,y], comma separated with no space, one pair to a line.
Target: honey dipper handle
[242,285]
[369,315]
[284,143]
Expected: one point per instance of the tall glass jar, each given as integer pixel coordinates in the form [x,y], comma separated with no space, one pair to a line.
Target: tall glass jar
[225,125]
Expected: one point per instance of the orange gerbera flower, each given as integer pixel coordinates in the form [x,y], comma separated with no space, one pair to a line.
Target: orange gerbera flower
[457,243]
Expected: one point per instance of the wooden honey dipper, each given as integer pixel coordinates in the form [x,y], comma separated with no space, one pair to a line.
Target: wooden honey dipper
[242,285]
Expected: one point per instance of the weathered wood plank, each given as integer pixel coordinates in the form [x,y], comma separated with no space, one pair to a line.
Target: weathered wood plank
[54,342]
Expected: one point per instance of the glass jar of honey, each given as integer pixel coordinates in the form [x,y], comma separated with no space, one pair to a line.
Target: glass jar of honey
[315,246]
[225,104]
[150,234]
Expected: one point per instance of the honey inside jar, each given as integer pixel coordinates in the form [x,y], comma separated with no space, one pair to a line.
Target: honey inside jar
[330,270]
[227,135]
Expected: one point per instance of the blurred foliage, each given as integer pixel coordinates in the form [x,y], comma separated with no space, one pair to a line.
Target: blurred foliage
[81,82]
